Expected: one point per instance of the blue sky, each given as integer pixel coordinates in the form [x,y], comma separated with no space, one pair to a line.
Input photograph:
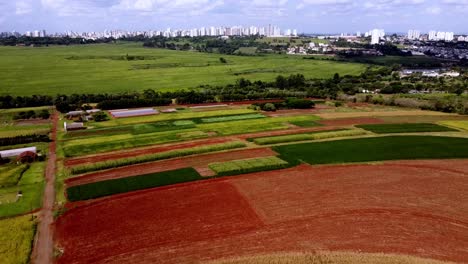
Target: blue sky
[310,16]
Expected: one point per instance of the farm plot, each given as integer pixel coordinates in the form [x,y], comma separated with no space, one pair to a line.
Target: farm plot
[154,157]
[247,166]
[300,209]
[308,136]
[405,128]
[31,185]
[199,162]
[351,121]
[10,174]
[456,124]
[231,118]
[16,236]
[123,185]
[376,149]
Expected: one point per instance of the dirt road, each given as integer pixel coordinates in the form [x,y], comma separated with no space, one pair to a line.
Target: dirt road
[44,244]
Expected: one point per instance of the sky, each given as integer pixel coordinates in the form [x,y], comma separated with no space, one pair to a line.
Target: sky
[307,16]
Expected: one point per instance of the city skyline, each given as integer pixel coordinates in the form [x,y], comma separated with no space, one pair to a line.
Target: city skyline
[308,16]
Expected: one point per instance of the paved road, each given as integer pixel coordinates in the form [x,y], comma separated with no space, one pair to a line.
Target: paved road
[44,244]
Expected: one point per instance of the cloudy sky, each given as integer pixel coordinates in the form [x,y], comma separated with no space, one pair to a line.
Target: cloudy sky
[310,16]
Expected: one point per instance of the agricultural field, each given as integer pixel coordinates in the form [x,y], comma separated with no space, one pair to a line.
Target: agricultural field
[16,236]
[102,68]
[405,128]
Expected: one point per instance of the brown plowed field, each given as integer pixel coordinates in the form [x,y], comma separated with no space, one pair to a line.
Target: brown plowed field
[351,121]
[143,151]
[199,161]
[413,207]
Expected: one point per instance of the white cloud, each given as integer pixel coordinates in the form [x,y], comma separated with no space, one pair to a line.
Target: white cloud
[167,6]
[23,7]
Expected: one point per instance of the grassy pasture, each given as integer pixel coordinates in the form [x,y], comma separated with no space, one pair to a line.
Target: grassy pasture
[156,156]
[16,236]
[102,68]
[308,136]
[247,166]
[123,185]
[32,185]
[10,174]
[376,149]
[457,124]
[405,128]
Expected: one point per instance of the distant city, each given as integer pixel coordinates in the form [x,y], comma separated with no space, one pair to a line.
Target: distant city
[376,35]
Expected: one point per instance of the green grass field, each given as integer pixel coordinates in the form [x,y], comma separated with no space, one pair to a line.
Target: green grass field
[236,167]
[16,236]
[31,185]
[308,136]
[123,185]
[99,69]
[405,128]
[457,124]
[376,149]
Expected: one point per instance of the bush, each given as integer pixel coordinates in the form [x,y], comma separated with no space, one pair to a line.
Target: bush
[123,185]
[269,107]
[155,157]
[100,116]
[299,104]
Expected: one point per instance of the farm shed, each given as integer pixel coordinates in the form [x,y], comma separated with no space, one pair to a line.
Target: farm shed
[74,113]
[92,111]
[131,113]
[170,110]
[73,126]
[16,152]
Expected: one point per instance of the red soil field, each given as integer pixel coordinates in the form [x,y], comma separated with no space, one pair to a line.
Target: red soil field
[410,207]
[200,162]
[351,121]
[143,151]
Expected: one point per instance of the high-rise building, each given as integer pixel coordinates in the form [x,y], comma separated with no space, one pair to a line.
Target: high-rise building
[376,35]
[432,35]
[414,34]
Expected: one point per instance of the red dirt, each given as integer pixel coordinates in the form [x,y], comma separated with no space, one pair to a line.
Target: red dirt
[199,161]
[351,121]
[149,219]
[412,207]
[143,151]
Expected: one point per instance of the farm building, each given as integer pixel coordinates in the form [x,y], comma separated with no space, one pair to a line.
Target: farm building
[93,111]
[74,113]
[73,126]
[131,113]
[16,152]
[170,110]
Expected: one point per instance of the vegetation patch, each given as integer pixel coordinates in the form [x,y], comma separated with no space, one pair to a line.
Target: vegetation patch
[457,124]
[231,118]
[25,139]
[376,149]
[308,136]
[154,157]
[123,185]
[405,128]
[306,123]
[16,239]
[11,174]
[247,166]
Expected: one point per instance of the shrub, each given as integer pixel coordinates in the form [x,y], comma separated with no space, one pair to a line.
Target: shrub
[269,107]
[154,157]
[299,103]
[100,116]
[123,185]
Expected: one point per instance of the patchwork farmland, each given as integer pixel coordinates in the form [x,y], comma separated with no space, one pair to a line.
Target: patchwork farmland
[231,184]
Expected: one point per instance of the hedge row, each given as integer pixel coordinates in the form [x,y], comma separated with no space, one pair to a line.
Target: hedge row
[154,157]
[307,136]
[25,139]
[248,166]
[123,185]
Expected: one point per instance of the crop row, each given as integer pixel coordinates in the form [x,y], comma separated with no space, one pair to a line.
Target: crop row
[123,185]
[247,166]
[17,239]
[154,157]
[307,136]
[405,128]
[231,118]
[24,139]
[11,174]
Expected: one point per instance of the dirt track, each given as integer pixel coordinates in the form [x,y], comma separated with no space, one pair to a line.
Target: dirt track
[407,207]
[44,244]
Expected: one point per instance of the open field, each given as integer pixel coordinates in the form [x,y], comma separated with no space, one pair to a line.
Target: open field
[31,184]
[101,69]
[376,149]
[405,128]
[16,236]
[456,124]
[412,208]
[308,136]
[327,257]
